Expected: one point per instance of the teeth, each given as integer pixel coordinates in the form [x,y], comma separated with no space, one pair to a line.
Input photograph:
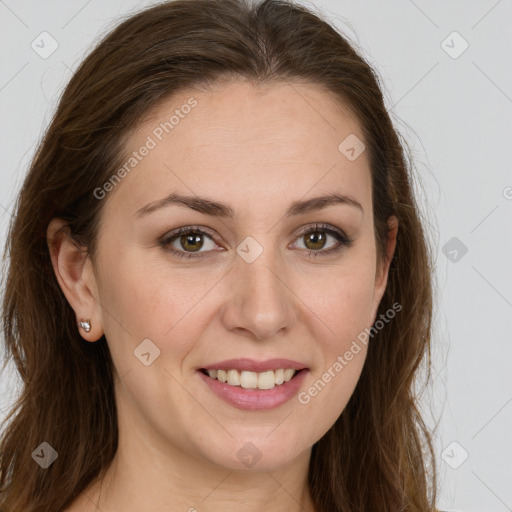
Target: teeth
[266,380]
[233,378]
[248,380]
[288,374]
[253,380]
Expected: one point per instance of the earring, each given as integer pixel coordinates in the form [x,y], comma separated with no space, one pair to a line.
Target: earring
[85,325]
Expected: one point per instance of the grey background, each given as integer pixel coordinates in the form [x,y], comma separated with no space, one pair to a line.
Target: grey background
[456,114]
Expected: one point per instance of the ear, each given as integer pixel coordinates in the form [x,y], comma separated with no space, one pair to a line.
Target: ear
[381,274]
[74,271]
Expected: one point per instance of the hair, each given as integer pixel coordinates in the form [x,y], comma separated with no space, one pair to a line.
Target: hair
[378,455]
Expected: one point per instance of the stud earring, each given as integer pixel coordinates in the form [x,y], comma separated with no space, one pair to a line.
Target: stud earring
[85,325]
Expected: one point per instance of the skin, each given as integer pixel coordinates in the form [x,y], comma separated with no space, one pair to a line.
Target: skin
[257,149]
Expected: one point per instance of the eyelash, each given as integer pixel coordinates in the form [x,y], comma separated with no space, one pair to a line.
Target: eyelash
[343,240]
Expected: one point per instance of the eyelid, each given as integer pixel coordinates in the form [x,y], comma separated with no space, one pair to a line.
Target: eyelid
[328,228]
[344,241]
[169,237]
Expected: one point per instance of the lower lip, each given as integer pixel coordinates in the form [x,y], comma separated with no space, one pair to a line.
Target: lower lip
[255,399]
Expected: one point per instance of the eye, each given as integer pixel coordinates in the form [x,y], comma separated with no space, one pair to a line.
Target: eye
[315,237]
[189,238]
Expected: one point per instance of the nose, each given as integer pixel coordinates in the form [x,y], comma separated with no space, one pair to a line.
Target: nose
[260,302]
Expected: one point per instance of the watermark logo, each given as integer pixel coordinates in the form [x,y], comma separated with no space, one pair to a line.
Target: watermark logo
[44,45]
[249,454]
[249,249]
[152,140]
[454,455]
[454,249]
[304,397]
[454,45]
[351,147]
[44,455]
[146,352]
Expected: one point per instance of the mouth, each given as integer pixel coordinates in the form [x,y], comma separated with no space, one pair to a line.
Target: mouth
[252,380]
[254,390]
[255,385]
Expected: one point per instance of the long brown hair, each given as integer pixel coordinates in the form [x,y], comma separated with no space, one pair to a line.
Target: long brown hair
[378,456]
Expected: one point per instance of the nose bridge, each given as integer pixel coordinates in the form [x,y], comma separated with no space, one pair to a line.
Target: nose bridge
[262,301]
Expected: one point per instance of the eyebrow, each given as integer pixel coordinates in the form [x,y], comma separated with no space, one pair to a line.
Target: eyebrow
[216,209]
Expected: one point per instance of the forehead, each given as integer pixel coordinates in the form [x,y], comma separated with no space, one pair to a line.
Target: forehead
[246,143]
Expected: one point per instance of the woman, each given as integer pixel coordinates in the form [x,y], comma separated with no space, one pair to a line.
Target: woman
[219,290]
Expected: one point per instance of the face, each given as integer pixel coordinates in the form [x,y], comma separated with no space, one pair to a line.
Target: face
[265,274]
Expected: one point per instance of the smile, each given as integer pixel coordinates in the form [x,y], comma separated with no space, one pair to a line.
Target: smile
[253,391]
[252,380]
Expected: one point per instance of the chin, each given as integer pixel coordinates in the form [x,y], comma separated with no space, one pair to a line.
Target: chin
[257,453]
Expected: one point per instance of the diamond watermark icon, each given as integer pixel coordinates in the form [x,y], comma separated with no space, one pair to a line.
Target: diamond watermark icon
[44,45]
[454,249]
[351,147]
[44,455]
[249,455]
[454,45]
[146,352]
[454,455]
[249,249]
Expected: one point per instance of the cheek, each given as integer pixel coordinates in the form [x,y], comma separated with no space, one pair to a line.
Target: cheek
[145,301]
[341,299]
[149,293]
[344,309]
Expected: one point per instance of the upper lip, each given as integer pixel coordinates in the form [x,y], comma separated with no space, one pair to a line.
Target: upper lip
[251,365]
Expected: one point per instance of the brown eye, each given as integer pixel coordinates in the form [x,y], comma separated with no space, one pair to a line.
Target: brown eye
[187,242]
[191,242]
[315,240]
